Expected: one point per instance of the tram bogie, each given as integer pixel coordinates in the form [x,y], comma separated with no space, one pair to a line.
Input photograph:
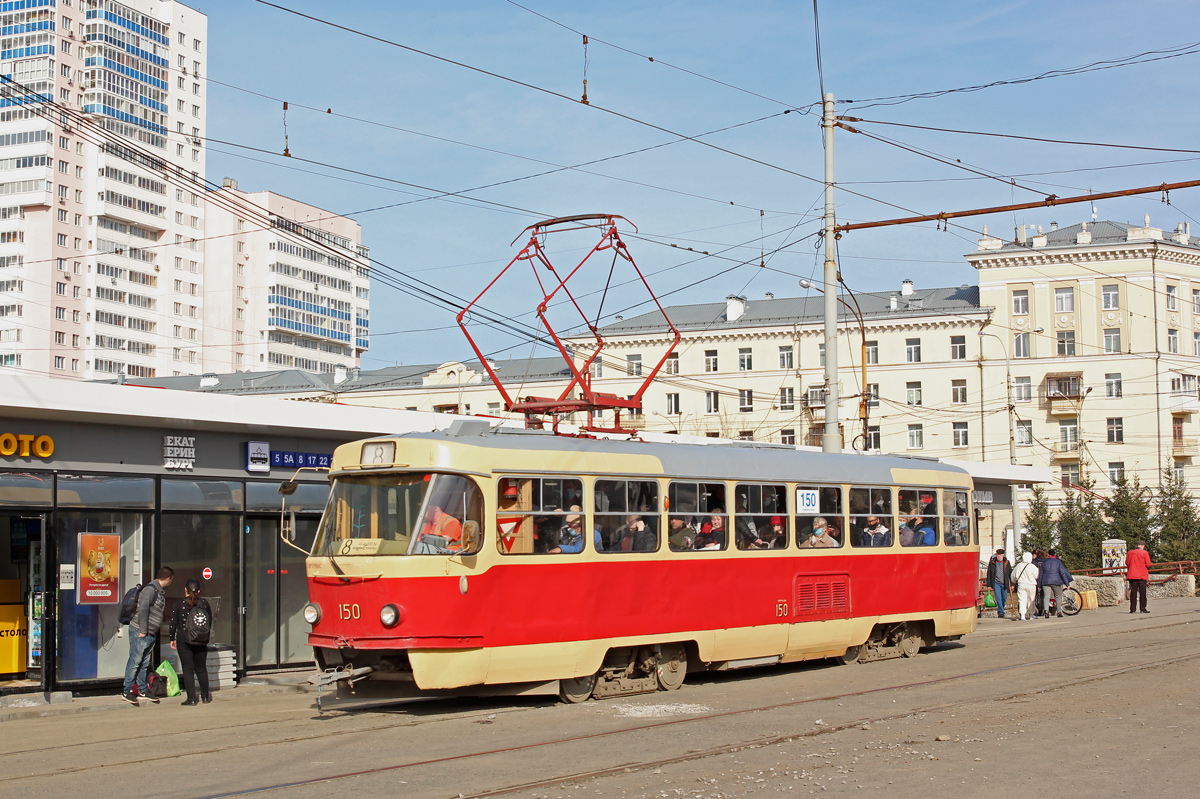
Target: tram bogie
[482,562]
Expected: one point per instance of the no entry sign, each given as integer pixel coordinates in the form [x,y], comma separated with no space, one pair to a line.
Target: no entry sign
[207,573]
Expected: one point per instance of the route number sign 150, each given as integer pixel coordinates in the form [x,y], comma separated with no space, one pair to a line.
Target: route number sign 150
[806,500]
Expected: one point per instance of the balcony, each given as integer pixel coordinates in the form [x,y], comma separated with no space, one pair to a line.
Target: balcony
[1066,450]
[634,421]
[1063,404]
[1184,402]
[1184,447]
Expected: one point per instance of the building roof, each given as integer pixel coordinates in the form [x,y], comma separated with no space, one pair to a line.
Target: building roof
[1102,232]
[297,381]
[788,311]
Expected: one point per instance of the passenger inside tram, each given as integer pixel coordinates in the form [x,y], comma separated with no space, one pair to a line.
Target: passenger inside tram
[712,532]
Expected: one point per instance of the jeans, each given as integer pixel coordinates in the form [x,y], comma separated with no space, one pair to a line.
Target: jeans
[137,668]
[1000,589]
[193,658]
[1056,591]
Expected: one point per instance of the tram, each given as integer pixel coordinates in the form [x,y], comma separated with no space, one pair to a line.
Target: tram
[480,560]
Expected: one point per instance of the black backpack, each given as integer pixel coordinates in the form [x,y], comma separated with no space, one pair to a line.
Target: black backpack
[197,623]
[129,603]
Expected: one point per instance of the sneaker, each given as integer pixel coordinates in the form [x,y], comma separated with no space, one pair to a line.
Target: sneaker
[152,700]
[1145,611]
[130,698]
[1059,615]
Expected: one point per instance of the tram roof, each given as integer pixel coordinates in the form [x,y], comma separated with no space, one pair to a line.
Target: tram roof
[722,459]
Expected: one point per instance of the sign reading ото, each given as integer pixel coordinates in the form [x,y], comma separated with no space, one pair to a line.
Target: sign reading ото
[24,445]
[179,453]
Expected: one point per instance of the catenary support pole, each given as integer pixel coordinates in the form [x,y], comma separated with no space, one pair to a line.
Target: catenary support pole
[831,441]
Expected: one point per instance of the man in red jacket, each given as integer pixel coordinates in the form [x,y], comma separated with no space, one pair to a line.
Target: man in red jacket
[1137,572]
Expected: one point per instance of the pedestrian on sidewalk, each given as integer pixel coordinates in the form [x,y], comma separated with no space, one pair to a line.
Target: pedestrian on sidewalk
[999,577]
[1137,572]
[191,626]
[1054,576]
[1025,578]
[143,633]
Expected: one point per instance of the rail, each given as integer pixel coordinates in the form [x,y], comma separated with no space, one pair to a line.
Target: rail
[1173,568]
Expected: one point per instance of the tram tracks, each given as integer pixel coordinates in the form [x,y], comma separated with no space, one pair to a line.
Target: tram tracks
[748,743]
[100,754]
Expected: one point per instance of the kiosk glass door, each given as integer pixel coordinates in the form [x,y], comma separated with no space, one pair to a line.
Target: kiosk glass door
[204,547]
[276,592]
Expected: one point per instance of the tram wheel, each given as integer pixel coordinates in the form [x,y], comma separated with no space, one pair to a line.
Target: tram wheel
[672,667]
[851,656]
[577,689]
[910,644]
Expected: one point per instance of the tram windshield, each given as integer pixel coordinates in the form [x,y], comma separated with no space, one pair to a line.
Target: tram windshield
[401,514]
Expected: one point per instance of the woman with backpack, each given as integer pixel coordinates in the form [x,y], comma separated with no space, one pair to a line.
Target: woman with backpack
[191,625]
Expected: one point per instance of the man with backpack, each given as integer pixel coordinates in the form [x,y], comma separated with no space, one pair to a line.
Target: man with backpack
[191,627]
[143,633]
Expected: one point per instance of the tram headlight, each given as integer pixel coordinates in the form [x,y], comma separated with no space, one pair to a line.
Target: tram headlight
[389,615]
[312,613]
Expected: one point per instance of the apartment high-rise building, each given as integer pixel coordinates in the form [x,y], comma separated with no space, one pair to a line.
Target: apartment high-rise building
[287,284]
[101,187]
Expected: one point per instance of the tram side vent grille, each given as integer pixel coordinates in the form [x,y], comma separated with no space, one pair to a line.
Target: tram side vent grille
[822,596]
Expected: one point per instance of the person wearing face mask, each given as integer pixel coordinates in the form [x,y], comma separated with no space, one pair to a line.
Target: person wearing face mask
[876,534]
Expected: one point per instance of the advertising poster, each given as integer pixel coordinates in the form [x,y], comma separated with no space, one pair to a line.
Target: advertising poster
[99,556]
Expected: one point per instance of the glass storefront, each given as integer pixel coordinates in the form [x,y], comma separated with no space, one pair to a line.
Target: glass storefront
[77,542]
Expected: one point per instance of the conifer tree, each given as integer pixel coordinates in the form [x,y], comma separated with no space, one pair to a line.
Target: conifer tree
[1129,512]
[1176,523]
[1037,523]
[1080,528]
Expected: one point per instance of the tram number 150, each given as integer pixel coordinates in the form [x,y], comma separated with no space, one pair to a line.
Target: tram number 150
[348,611]
[781,609]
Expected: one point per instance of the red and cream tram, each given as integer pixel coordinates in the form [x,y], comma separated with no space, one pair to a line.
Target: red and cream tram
[483,560]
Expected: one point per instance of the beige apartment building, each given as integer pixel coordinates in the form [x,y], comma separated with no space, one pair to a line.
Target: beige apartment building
[1095,324]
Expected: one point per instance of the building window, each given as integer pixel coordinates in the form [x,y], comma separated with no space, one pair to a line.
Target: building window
[787,436]
[958,392]
[1112,385]
[60,362]
[960,434]
[1020,303]
[710,360]
[633,365]
[912,350]
[1064,300]
[1068,435]
[745,400]
[1172,298]
[916,436]
[958,348]
[787,399]
[786,361]
[1196,344]
[60,289]
[1116,472]
[1066,342]
[1070,474]
[872,395]
[745,435]
[1021,346]
[1022,389]
[912,393]
[1195,300]
[1023,432]
[60,337]
[872,352]
[61,313]
[873,437]
[712,402]
[1112,340]
[672,405]
[1110,297]
[821,354]
[1177,472]
[1063,386]
[745,360]
[595,370]
[1173,341]
[1116,430]
[671,365]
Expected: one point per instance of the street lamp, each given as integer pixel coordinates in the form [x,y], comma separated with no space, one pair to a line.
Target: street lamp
[1012,441]
[676,425]
[805,283]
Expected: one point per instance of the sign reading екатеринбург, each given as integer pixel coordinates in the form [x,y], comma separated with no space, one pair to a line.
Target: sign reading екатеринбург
[179,453]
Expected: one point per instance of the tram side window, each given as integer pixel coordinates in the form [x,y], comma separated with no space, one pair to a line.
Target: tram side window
[819,522]
[918,517]
[957,516]
[452,518]
[760,516]
[627,515]
[540,515]
[697,517]
[871,521]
